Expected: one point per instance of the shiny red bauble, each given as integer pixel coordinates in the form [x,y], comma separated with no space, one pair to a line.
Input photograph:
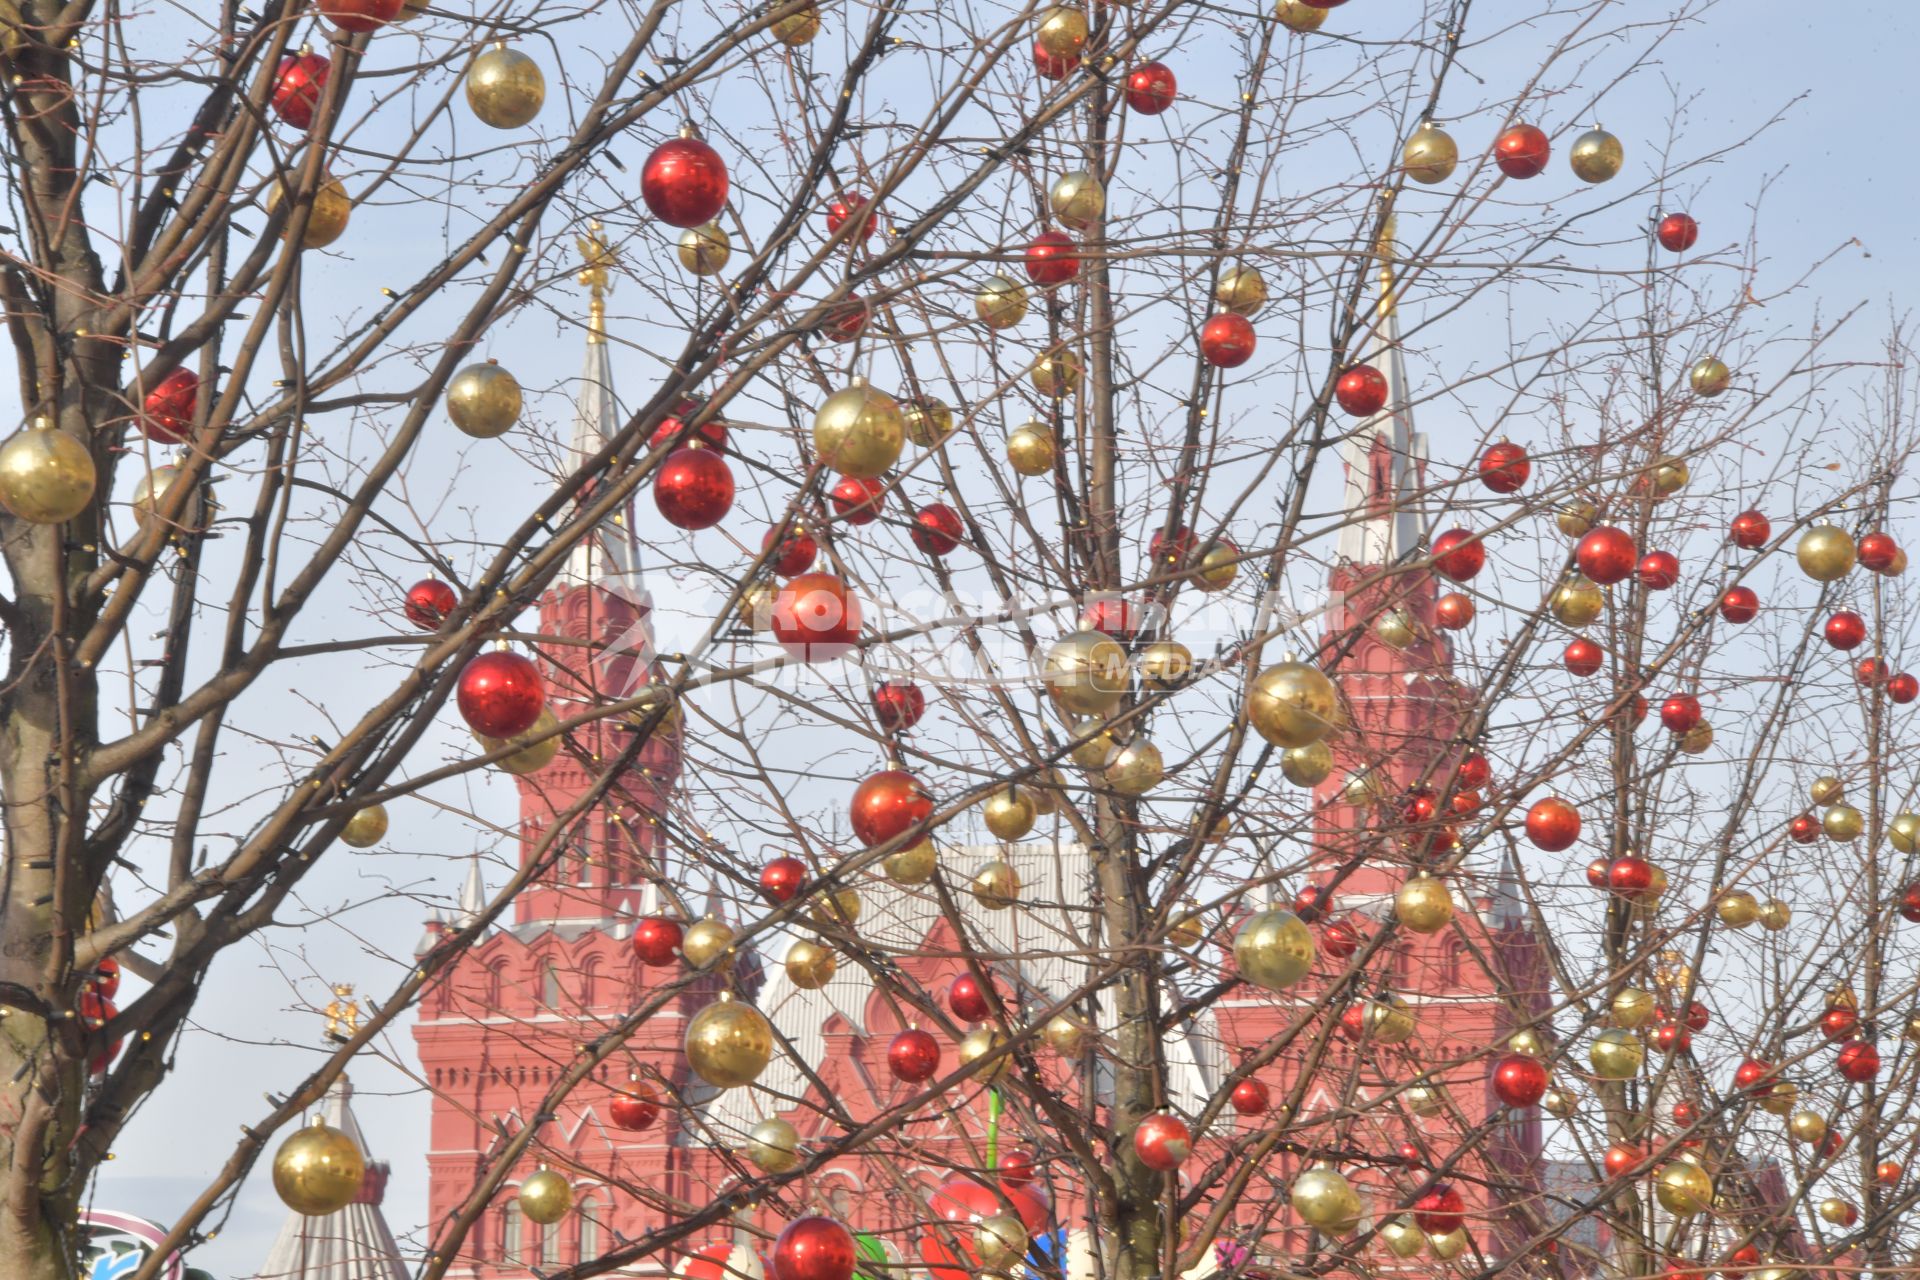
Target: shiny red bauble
[1871,672]
[1553,824]
[1162,1141]
[783,878]
[816,617]
[1750,530]
[1659,570]
[1684,1114]
[1903,688]
[1250,1098]
[296,87]
[500,694]
[796,554]
[958,1205]
[1504,467]
[1888,1173]
[968,999]
[1474,771]
[1623,1158]
[1173,550]
[1341,940]
[1520,1080]
[1054,66]
[1361,391]
[1839,1023]
[1697,1016]
[914,1056]
[693,488]
[1016,1168]
[170,407]
[1151,88]
[937,529]
[888,804]
[1845,630]
[1630,876]
[1877,551]
[1677,232]
[848,207]
[1312,902]
[684,182]
[1113,616]
[1909,905]
[633,1108]
[361,15]
[656,940]
[1226,340]
[898,705]
[105,981]
[1453,611]
[858,501]
[1859,1061]
[711,433]
[814,1249]
[1522,151]
[1745,1258]
[1459,555]
[1606,554]
[1583,657]
[429,601]
[1053,258]
[1751,1073]
[1680,713]
[1441,1210]
[846,319]
[1597,872]
[1804,829]
[1740,604]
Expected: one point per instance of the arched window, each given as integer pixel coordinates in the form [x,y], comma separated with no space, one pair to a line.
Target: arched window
[549,985]
[589,983]
[589,1216]
[495,981]
[510,1229]
[550,1246]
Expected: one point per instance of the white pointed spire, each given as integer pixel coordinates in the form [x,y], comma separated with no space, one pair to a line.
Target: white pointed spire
[1384,458]
[353,1243]
[473,896]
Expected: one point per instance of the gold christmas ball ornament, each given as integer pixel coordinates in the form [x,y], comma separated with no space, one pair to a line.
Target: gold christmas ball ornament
[505,88]
[1670,476]
[1448,1245]
[704,250]
[1632,1008]
[1424,1100]
[1696,740]
[1577,602]
[1001,1240]
[1394,628]
[1135,767]
[1559,1103]
[1056,375]
[1842,823]
[859,431]
[484,400]
[1841,1213]
[1527,1041]
[1065,1034]
[1911,1032]
[1298,15]
[328,220]
[708,944]
[1596,156]
[1325,1200]
[1219,565]
[318,1170]
[1187,929]
[1031,449]
[151,493]
[1000,303]
[1307,766]
[928,420]
[979,1043]
[1577,518]
[729,1043]
[773,1146]
[1826,554]
[1009,813]
[1362,788]
[1165,664]
[1293,704]
[1781,1099]
[1775,915]
[543,744]
[997,886]
[1402,1237]
[1737,908]
[835,908]
[545,1197]
[1430,154]
[1807,1126]
[1827,789]
[1242,289]
[757,605]
[1273,949]
[1086,672]
[1062,32]
[798,28]
[912,865]
[1389,1020]
[1616,1054]
[1423,904]
[1092,746]
[1903,833]
[1683,1188]
[46,476]
[1077,199]
[811,965]
[1709,377]
[366,827]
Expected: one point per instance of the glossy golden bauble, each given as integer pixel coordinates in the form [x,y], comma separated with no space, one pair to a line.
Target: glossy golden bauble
[1389,1019]
[1187,929]
[1775,915]
[46,476]
[1424,1100]
[1135,768]
[1696,740]
[1031,449]
[1307,766]
[1423,904]
[318,1170]
[1091,746]
[1056,375]
[1325,1200]
[535,755]
[1527,1041]
[979,1043]
[1683,1189]
[1577,602]
[1903,833]
[1394,628]
[708,944]
[1293,704]
[1219,565]
[1632,1008]
[545,1197]
[912,865]
[859,431]
[151,493]
[1911,1031]
[1826,789]
[928,420]
[1577,518]
[1001,1240]
[1670,476]
[1596,156]
[1298,15]
[1825,553]
[773,1146]
[1077,199]
[1065,1034]
[1362,788]
[997,886]
[1807,1126]
[1165,664]
[835,908]
[505,88]
[1709,377]
[1737,908]
[729,1043]
[811,965]
[1086,672]
[1062,32]
[1842,823]
[1273,949]
[1781,1099]
[1616,1054]
[484,400]
[1448,1245]
[1430,154]
[1010,812]
[1839,1212]
[704,249]
[1559,1103]
[1001,303]
[1403,1238]
[1241,290]
[331,210]
[366,827]
[798,28]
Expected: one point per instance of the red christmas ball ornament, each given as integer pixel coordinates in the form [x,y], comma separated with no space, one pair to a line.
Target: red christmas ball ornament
[1016,1168]
[1697,1016]
[1671,1037]
[1113,616]
[1740,604]
[1909,907]
[848,207]
[1453,611]
[500,694]
[1172,552]
[296,87]
[898,705]
[633,1108]
[1053,258]
[816,617]
[846,319]
[1441,1210]
[712,433]
[1361,391]
[1659,570]
[171,406]
[429,601]
[1677,232]
[783,878]
[1583,657]
[1623,1158]
[1846,630]
[1162,1141]
[684,182]
[796,553]
[1903,688]
[1459,555]
[693,488]
[1859,1061]
[1151,88]
[1750,530]
[1341,940]
[656,940]
[1871,672]
[361,15]
[914,1056]
[1226,340]
[937,529]
[1751,1073]
[1520,1080]
[1522,151]
[1680,713]
[1553,824]
[1250,1097]
[889,804]
[1630,876]
[1606,554]
[814,1249]
[1804,829]
[1054,66]
[1888,1173]
[1597,872]
[1410,1156]
[1474,771]
[968,999]
[1504,467]
[1312,903]
[1877,551]
[1684,1114]
[1421,806]
[858,501]
[1839,1023]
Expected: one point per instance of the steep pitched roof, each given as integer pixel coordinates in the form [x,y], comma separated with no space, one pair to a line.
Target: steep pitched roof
[353,1243]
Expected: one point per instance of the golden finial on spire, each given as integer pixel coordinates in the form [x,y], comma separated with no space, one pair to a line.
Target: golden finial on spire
[1385,252]
[342,1013]
[597,275]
